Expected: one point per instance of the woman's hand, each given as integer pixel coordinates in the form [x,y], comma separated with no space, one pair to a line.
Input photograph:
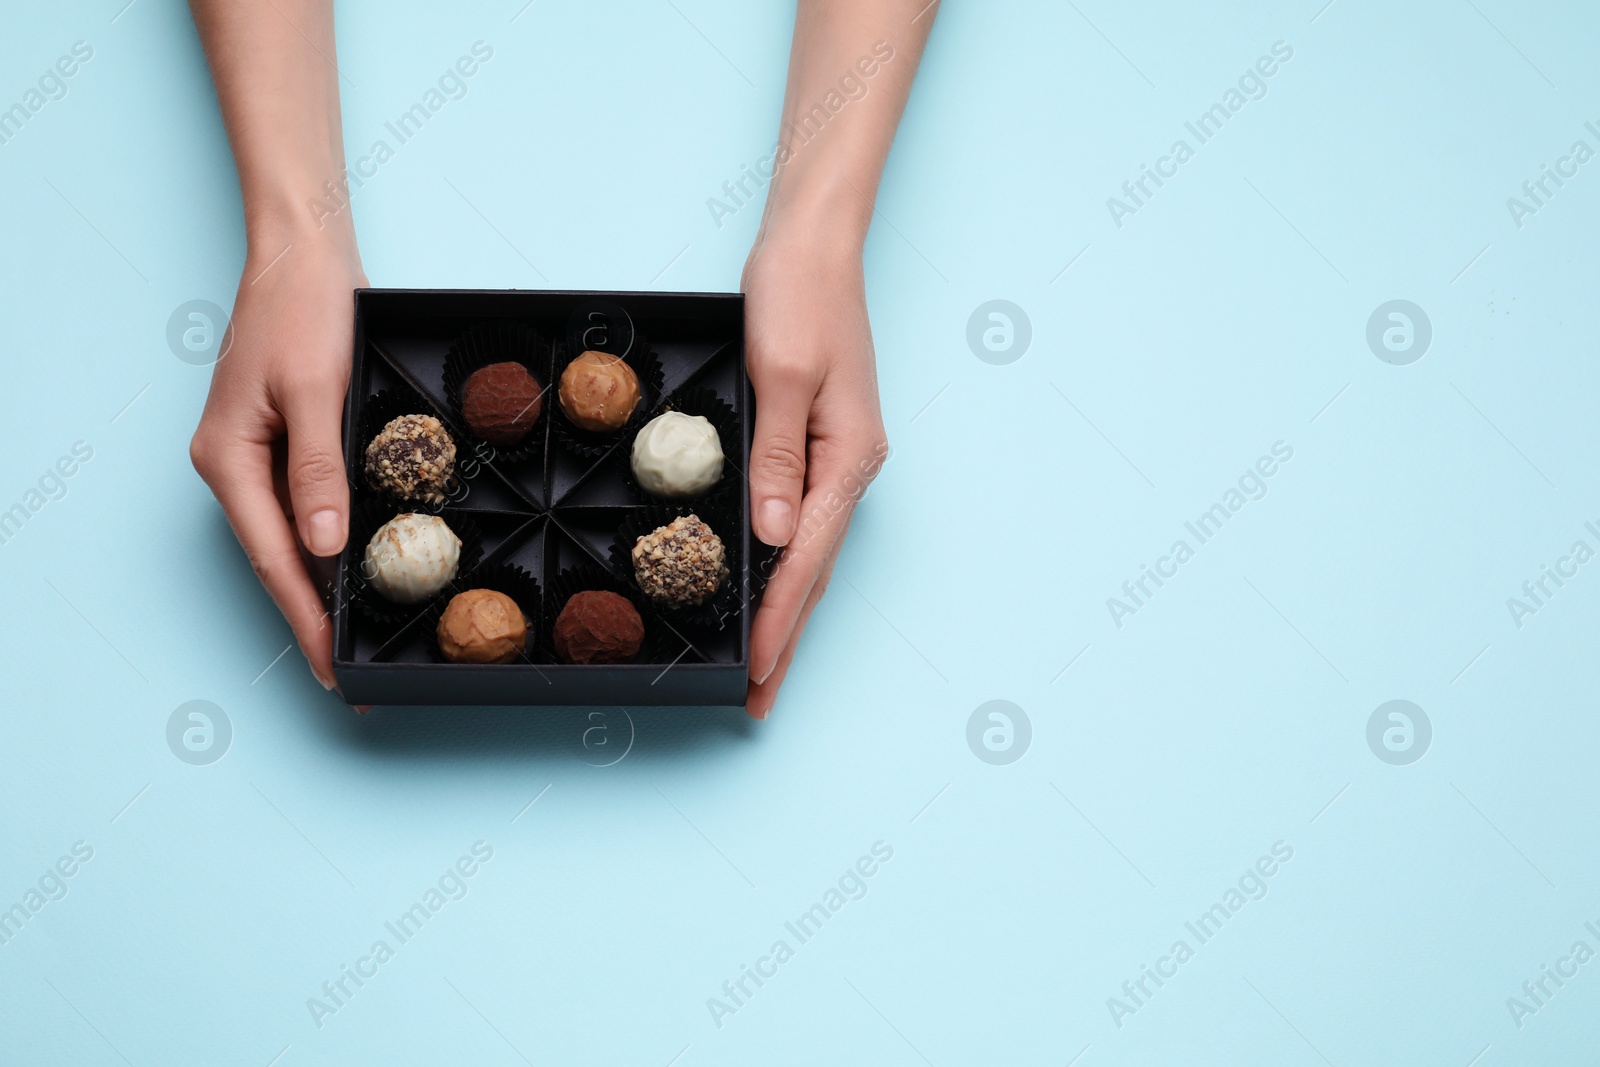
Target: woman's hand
[819,434]
[819,437]
[268,441]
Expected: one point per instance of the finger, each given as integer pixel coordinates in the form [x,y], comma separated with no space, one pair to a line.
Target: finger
[318,491]
[778,454]
[241,476]
[761,696]
[825,516]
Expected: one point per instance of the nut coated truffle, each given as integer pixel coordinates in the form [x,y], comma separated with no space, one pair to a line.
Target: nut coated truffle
[412,557]
[680,565]
[598,627]
[677,455]
[501,402]
[482,626]
[412,458]
[599,392]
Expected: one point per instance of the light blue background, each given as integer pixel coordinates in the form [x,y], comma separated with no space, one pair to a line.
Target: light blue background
[1228,714]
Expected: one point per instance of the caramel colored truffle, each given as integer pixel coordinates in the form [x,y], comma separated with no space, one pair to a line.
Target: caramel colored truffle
[482,626]
[413,458]
[599,392]
[680,565]
[598,627]
[501,402]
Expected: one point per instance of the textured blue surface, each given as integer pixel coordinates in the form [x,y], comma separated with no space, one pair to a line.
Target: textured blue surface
[1227,714]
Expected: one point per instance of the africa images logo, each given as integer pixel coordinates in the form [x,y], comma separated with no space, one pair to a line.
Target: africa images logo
[999,732]
[1399,332]
[1399,732]
[999,332]
[199,732]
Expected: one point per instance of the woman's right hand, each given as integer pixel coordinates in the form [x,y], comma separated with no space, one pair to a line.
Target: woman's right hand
[268,443]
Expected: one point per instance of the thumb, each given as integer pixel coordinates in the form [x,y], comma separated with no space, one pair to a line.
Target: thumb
[778,456]
[318,489]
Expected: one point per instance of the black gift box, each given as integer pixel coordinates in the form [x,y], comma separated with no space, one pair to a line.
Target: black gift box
[550,506]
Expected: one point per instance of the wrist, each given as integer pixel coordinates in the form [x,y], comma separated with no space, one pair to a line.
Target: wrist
[308,215]
[827,217]
[269,238]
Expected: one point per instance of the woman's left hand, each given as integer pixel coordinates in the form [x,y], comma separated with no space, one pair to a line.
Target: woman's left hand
[819,437]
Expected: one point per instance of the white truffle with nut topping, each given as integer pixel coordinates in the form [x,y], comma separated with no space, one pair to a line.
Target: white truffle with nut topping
[412,557]
[677,455]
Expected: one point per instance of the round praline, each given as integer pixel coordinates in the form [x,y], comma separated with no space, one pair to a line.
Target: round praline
[598,392]
[677,455]
[501,402]
[681,564]
[482,626]
[597,626]
[412,557]
[412,458]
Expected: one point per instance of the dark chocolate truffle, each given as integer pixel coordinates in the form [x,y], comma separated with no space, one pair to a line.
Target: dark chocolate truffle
[598,627]
[681,564]
[501,402]
[599,392]
[412,458]
[482,626]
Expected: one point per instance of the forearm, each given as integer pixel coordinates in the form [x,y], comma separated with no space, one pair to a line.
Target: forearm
[273,65]
[850,72]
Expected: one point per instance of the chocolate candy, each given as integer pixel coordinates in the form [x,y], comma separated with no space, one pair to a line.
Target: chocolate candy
[482,626]
[412,458]
[412,557]
[677,455]
[501,403]
[598,392]
[597,626]
[681,564]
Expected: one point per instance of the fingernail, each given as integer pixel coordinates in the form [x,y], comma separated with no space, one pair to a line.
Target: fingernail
[775,522]
[327,682]
[327,532]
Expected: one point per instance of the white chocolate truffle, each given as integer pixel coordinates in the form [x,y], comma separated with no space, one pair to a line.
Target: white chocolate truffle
[412,557]
[677,455]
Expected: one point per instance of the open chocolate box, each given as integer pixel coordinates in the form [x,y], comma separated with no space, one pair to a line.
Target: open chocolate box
[556,506]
